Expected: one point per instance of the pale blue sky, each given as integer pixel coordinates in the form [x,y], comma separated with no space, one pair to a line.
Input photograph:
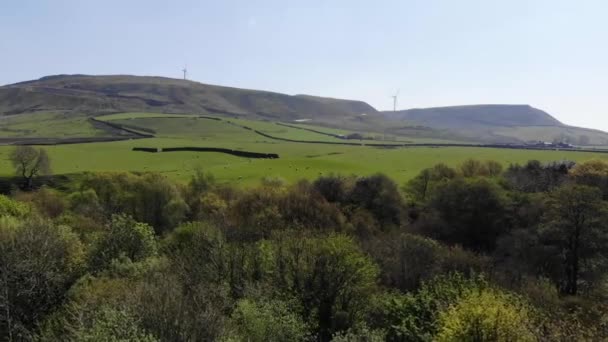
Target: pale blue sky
[552,54]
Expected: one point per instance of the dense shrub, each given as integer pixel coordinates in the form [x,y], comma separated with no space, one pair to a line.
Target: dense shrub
[150,198]
[267,321]
[330,276]
[124,237]
[472,213]
[487,315]
[39,261]
[10,207]
[482,257]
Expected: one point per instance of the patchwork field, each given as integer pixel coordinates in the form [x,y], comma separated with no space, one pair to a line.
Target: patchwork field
[297,160]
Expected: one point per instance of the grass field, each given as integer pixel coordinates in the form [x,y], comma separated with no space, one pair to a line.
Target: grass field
[297,160]
[47,125]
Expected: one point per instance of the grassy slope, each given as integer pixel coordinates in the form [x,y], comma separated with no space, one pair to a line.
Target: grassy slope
[499,123]
[47,125]
[298,160]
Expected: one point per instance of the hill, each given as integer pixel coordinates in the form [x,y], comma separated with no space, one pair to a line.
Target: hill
[498,123]
[64,101]
[83,94]
[350,106]
[477,115]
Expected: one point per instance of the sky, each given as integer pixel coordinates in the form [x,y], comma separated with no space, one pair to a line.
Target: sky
[551,54]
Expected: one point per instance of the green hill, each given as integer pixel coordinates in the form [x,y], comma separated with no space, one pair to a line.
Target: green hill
[70,98]
[82,94]
[498,123]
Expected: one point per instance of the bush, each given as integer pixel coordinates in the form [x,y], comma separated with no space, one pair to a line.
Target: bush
[424,184]
[380,195]
[39,261]
[10,207]
[48,202]
[267,321]
[198,253]
[113,325]
[150,198]
[330,276]
[472,213]
[487,315]
[124,238]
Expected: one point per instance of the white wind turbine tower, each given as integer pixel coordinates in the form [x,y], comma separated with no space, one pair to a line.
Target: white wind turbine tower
[185,71]
[395,97]
[395,100]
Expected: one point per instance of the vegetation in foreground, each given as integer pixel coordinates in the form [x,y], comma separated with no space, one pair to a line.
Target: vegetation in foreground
[297,160]
[472,253]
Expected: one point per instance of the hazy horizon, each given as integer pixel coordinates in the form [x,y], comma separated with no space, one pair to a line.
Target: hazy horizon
[547,54]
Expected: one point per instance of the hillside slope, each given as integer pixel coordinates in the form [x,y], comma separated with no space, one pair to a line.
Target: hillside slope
[498,123]
[477,115]
[84,94]
[67,98]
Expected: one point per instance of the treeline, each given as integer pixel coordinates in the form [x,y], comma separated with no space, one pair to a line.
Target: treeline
[472,253]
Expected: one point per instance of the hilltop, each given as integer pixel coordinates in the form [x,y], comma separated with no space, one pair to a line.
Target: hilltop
[498,123]
[123,93]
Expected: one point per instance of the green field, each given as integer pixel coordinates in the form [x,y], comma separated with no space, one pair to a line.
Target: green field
[47,125]
[297,160]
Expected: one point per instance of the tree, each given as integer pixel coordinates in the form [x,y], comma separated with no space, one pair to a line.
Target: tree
[535,176]
[592,173]
[267,321]
[427,180]
[486,315]
[471,213]
[150,198]
[407,260]
[574,225]
[331,276]
[124,237]
[30,163]
[10,207]
[113,325]
[380,195]
[39,261]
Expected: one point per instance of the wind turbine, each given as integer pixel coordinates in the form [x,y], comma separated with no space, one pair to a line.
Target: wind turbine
[395,100]
[185,71]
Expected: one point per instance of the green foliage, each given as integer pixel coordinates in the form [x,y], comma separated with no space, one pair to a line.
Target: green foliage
[419,187]
[486,315]
[273,320]
[476,168]
[408,260]
[334,188]
[265,209]
[302,262]
[48,202]
[574,224]
[172,311]
[85,203]
[330,276]
[361,334]
[30,163]
[592,173]
[150,198]
[198,253]
[124,237]
[472,213]
[39,261]
[113,326]
[10,207]
[414,316]
[380,195]
[535,176]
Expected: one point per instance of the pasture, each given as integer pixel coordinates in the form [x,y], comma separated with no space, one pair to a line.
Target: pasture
[297,160]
